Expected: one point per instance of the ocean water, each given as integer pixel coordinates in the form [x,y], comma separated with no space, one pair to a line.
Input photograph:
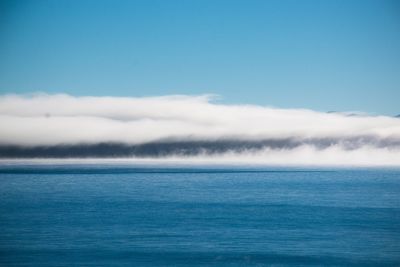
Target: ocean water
[123,215]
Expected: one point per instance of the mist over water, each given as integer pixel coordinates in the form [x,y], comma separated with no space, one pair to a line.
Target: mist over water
[191,128]
[116,162]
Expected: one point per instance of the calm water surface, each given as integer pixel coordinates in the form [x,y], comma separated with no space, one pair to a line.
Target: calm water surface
[114,215]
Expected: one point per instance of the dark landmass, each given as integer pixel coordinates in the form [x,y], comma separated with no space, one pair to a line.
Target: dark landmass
[165,148]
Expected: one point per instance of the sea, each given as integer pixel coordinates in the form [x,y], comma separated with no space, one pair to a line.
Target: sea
[201,215]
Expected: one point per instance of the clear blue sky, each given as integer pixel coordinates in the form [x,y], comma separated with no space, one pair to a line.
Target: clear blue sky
[324,55]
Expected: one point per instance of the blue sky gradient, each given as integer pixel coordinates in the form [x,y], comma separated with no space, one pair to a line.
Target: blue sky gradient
[324,55]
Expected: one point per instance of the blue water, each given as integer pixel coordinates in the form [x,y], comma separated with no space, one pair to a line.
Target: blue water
[110,215]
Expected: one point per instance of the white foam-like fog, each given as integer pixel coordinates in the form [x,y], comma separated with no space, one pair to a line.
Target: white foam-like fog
[51,120]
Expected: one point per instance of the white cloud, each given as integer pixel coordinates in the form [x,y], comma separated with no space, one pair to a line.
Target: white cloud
[62,119]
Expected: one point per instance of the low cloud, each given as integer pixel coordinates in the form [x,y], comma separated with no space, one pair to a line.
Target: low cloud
[191,127]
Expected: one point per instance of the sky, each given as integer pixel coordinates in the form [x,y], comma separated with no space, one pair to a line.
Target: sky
[320,55]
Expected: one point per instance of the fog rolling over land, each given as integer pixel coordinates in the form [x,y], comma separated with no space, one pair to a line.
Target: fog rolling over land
[191,128]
